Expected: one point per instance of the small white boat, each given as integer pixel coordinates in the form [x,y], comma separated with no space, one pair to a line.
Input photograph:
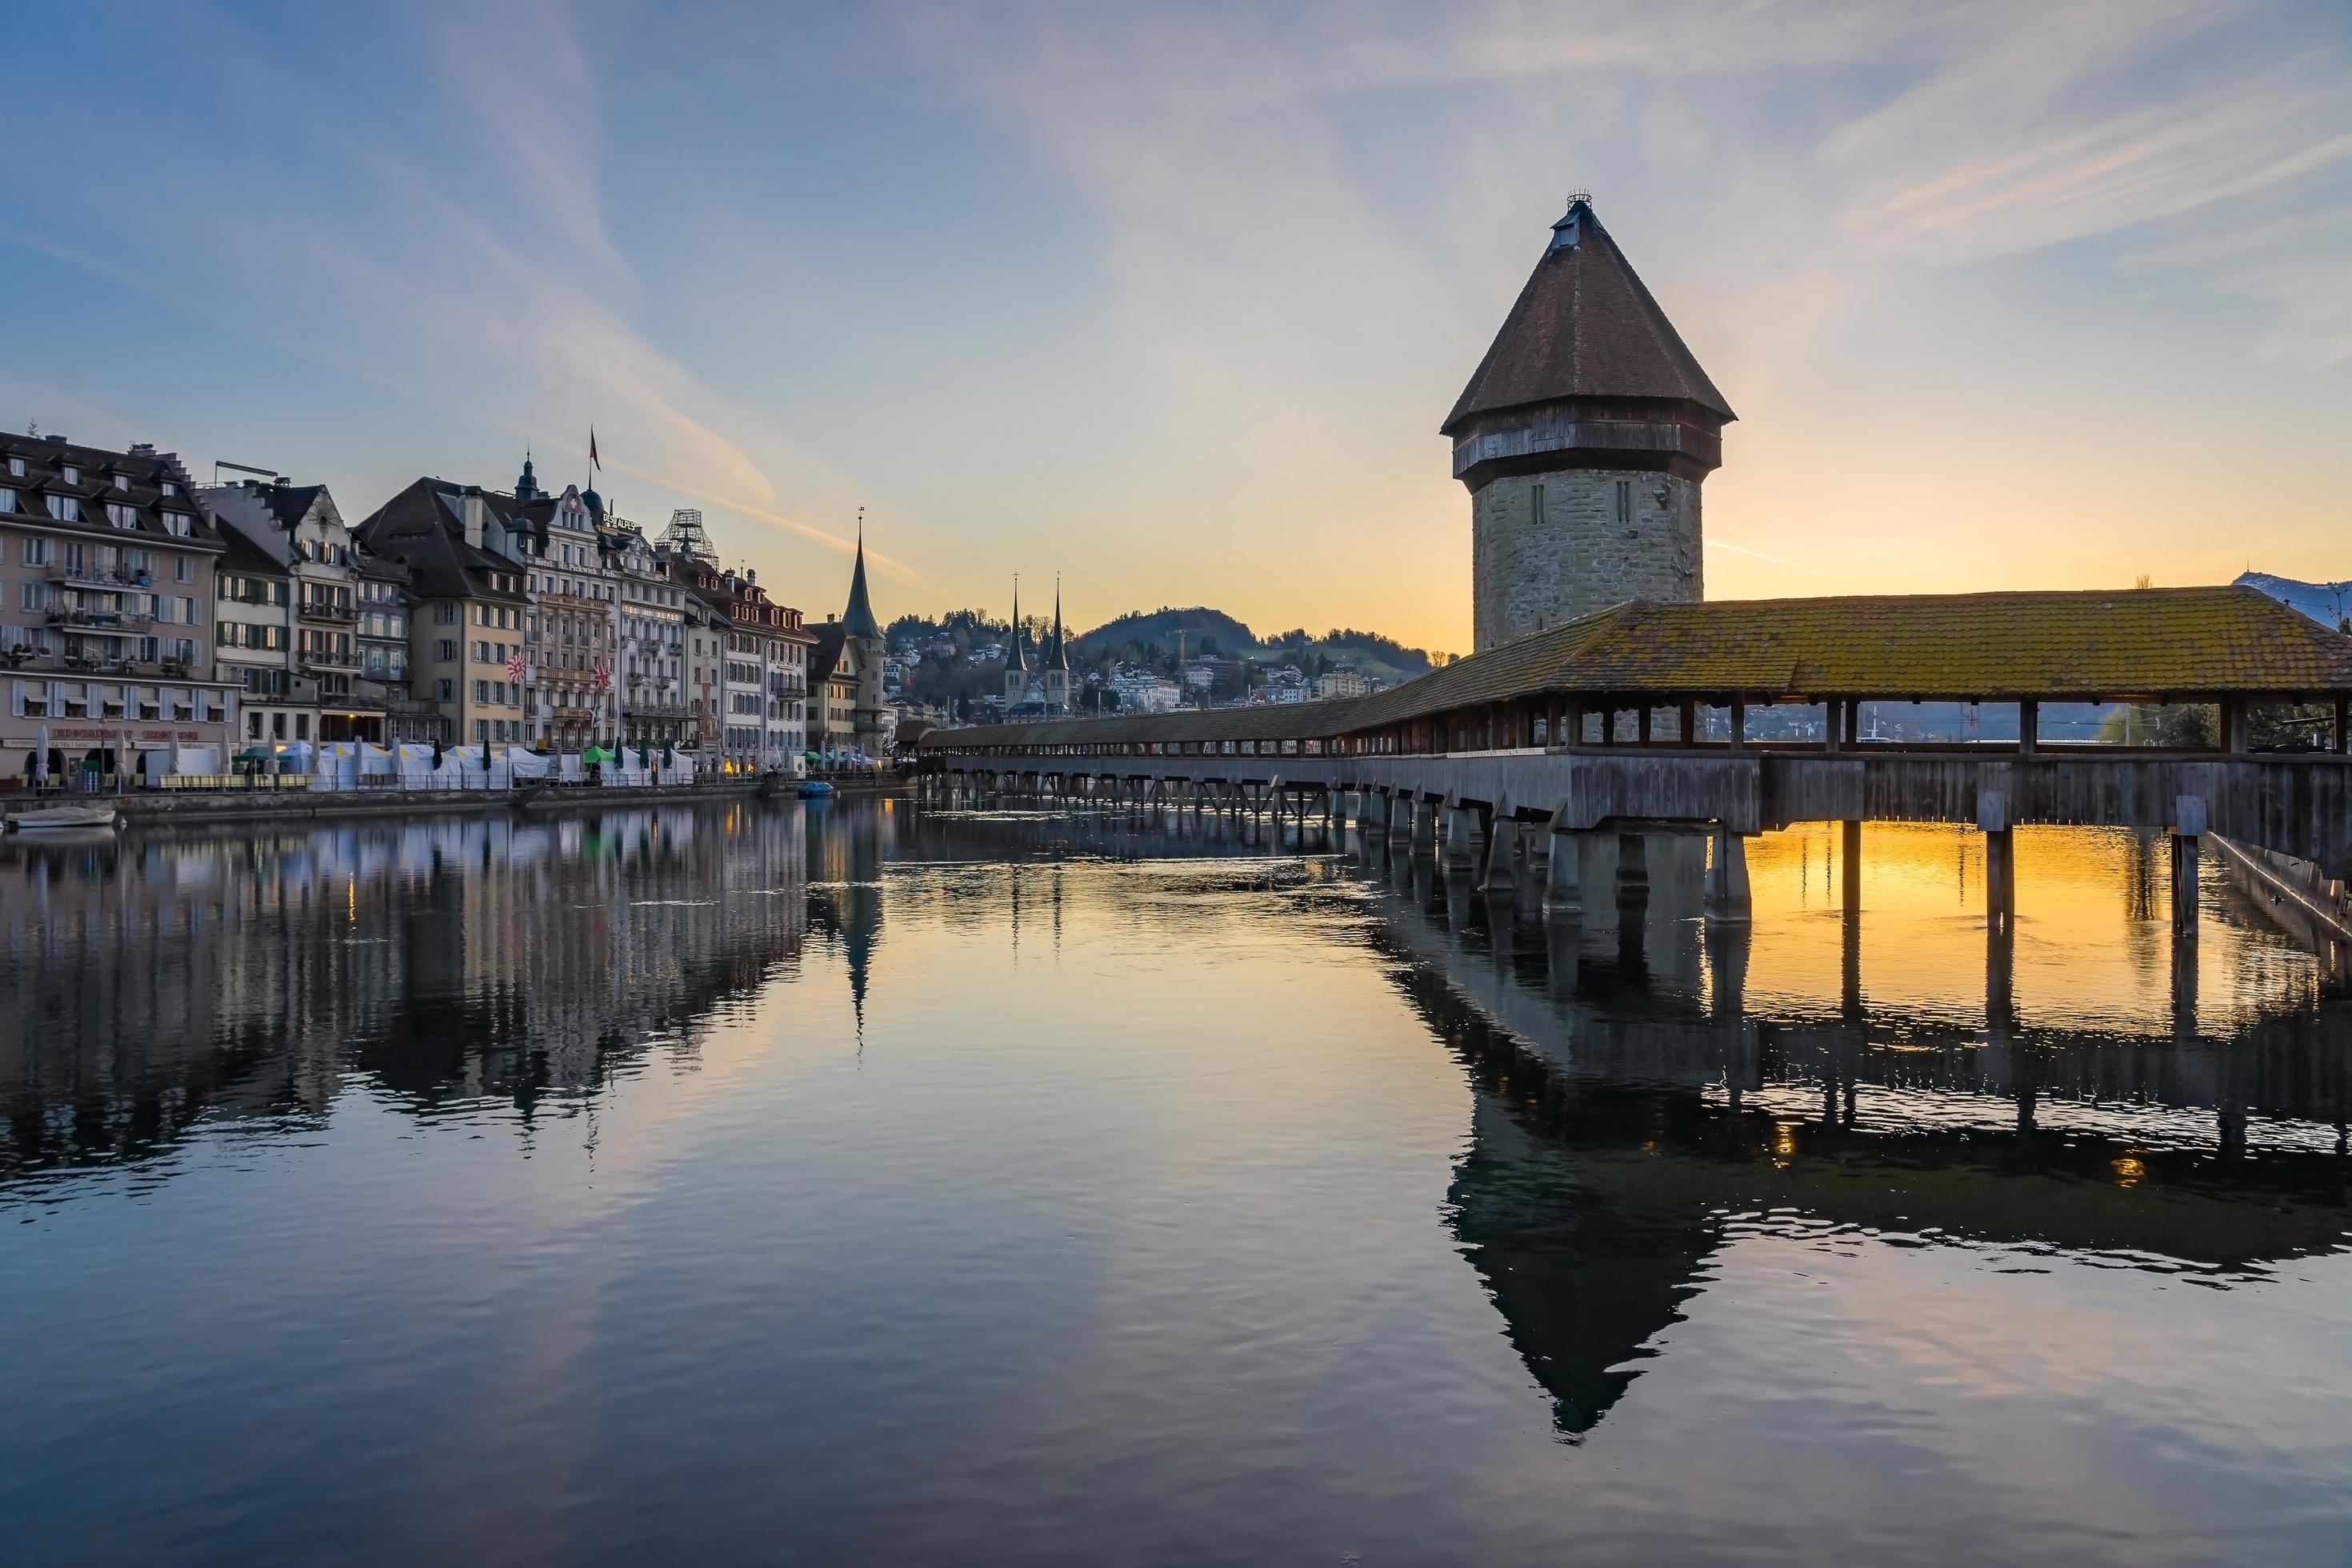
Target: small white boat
[44,817]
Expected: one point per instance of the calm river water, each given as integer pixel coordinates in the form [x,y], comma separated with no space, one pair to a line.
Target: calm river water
[879,1183]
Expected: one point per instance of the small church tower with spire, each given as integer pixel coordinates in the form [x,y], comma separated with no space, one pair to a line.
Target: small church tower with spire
[1054,666]
[867,720]
[1016,660]
[1582,438]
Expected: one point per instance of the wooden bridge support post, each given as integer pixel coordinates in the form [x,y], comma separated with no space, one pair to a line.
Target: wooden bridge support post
[2000,859]
[2000,878]
[1563,871]
[1739,726]
[1461,837]
[2184,886]
[1850,852]
[1502,848]
[1727,894]
[1632,865]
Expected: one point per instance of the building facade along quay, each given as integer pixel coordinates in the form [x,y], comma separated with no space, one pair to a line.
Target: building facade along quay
[300,529]
[471,610]
[106,566]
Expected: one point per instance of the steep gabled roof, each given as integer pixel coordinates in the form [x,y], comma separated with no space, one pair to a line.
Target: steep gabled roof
[419,528]
[1584,326]
[242,554]
[859,616]
[288,504]
[826,654]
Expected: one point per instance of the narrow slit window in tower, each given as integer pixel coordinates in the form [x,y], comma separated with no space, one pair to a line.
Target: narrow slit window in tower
[1536,504]
[1624,502]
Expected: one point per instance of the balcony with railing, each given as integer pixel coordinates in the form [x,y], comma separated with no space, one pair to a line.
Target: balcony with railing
[99,577]
[105,620]
[329,611]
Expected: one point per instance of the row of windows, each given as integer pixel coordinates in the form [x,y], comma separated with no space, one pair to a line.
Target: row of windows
[71,474]
[169,608]
[72,700]
[66,508]
[81,557]
[237,588]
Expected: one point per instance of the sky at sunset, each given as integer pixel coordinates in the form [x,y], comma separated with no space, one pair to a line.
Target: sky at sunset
[1172,300]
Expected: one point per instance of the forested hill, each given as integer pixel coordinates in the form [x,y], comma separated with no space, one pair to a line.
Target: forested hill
[1148,640]
[1204,631]
[1145,637]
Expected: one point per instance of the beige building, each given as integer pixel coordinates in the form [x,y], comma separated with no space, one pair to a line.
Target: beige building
[253,643]
[572,631]
[470,609]
[299,528]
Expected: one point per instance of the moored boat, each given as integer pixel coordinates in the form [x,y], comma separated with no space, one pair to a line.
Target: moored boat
[815,789]
[72,814]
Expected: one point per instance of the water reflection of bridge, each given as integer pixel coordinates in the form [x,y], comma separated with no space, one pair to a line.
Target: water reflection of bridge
[152,983]
[1630,1111]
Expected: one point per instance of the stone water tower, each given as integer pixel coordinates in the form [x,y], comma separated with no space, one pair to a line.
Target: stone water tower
[1583,437]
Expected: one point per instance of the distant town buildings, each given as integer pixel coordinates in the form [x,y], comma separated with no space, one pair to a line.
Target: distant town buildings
[1341,682]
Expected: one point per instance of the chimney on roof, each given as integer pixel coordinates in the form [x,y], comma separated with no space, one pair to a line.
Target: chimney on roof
[143,449]
[750,573]
[471,510]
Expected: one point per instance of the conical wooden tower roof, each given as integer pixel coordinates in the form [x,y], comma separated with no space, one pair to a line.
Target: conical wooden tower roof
[1584,327]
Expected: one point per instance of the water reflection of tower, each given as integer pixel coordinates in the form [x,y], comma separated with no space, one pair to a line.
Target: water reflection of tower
[844,901]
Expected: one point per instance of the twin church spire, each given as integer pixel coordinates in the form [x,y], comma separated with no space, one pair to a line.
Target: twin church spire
[1045,682]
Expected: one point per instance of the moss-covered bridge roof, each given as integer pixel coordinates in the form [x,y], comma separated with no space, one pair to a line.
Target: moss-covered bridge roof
[2143,642]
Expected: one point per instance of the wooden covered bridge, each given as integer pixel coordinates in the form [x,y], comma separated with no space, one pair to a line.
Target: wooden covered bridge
[1669,717]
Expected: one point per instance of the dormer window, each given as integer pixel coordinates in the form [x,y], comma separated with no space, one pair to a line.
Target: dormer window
[121,516]
[171,487]
[70,474]
[122,481]
[16,467]
[179,525]
[65,509]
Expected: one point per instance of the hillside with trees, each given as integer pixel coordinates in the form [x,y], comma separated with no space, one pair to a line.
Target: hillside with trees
[950,663]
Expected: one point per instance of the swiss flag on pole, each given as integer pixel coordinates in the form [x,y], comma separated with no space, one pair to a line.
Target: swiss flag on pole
[593,461]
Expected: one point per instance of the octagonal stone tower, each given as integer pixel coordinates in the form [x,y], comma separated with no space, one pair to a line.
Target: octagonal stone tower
[1583,437]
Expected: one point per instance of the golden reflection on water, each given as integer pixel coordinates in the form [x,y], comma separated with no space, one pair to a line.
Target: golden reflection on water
[2093,946]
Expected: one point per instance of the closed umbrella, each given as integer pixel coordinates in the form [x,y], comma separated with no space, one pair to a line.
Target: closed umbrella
[41,760]
[436,753]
